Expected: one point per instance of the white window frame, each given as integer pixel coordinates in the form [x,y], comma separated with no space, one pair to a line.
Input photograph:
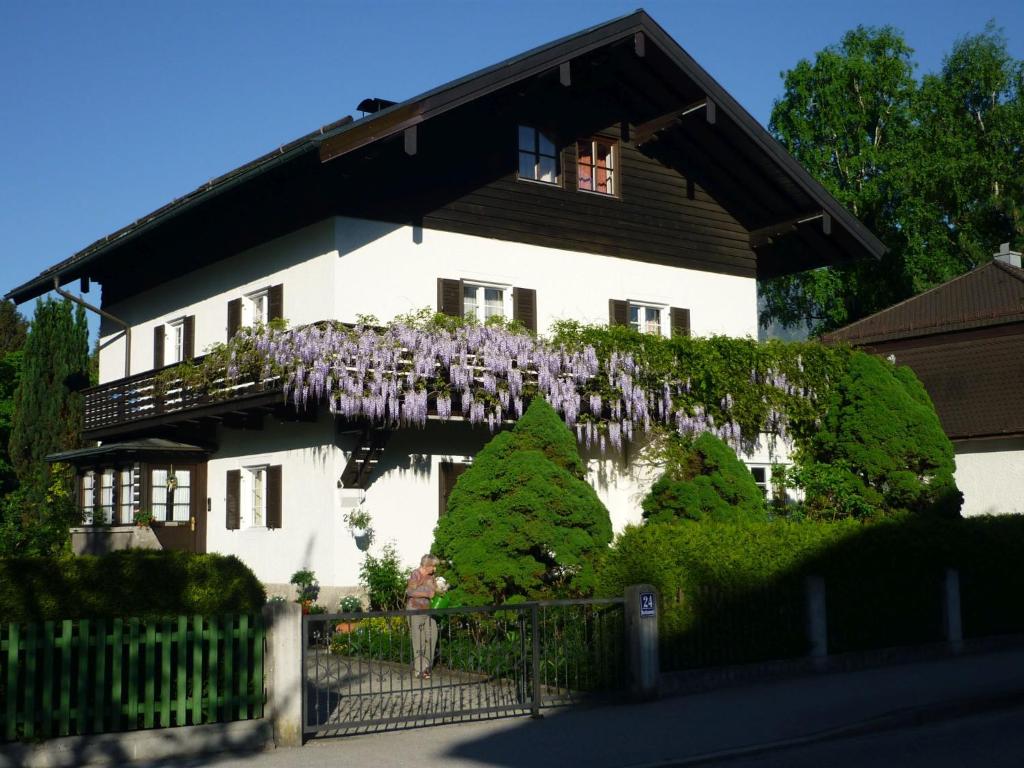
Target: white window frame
[481,288]
[612,168]
[533,150]
[125,500]
[766,486]
[174,333]
[645,308]
[254,496]
[256,307]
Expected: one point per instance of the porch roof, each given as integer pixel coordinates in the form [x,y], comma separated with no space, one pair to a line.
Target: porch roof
[145,448]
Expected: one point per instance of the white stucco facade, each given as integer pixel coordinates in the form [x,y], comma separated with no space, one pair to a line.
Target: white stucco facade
[990,473]
[343,268]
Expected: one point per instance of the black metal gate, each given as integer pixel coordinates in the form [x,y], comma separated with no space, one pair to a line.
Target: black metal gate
[365,671]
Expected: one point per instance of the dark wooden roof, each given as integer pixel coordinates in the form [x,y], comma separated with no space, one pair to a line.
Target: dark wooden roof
[147,448]
[687,120]
[965,341]
[992,294]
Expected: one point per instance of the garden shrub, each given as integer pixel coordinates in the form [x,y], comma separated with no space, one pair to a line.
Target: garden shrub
[522,523]
[880,449]
[143,583]
[384,580]
[738,590]
[707,482]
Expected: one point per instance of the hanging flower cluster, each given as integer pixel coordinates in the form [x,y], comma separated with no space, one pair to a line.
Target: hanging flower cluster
[401,374]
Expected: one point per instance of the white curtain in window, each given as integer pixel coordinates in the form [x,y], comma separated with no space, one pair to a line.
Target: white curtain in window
[182,495]
[125,497]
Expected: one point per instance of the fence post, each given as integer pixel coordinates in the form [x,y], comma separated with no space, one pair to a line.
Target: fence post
[951,610]
[283,673]
[817,619]
[641,615]
[535,661]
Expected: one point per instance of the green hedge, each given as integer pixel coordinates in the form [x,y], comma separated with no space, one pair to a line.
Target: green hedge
[143,583]
[733,593]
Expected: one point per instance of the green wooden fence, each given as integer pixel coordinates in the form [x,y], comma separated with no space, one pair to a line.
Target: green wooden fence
[65,678]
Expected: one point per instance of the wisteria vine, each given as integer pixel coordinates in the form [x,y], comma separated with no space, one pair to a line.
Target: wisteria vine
[606,391]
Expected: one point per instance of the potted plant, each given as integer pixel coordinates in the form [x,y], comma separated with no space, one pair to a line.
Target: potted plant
[307,588]
[349,604]
[143,518]
[359,522]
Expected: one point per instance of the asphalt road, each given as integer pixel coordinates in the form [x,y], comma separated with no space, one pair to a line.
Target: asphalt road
[989,740]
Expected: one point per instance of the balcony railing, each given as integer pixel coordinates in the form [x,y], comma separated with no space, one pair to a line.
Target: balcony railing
[152,395]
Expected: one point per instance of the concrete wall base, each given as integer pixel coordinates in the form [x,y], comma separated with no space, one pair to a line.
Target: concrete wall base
[157,744]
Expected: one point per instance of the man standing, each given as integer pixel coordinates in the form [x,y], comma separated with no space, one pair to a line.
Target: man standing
[422,628]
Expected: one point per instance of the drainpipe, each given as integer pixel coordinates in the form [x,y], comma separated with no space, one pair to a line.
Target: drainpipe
[98,311]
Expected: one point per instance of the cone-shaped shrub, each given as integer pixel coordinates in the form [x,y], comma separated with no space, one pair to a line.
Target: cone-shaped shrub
[881,448]
[710,483]
[522,523]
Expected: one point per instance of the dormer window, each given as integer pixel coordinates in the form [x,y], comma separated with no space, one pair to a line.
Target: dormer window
[596,166]
[538,158]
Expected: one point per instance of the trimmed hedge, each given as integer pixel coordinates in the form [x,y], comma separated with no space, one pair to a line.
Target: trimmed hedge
[143,583]
[737,592]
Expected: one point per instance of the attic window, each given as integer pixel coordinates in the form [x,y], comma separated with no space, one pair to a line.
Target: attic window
[596,166]
[538,158]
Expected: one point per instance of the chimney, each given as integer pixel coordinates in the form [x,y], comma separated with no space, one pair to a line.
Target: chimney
[1007,256]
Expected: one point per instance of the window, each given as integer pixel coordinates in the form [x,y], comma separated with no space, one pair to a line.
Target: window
[87,497]
[126,497]
[255,492]
[106,495]
[596,166]
[645,318]
[175,341]
[484,301]
[257,308]
[761,478]
[538,158]
[171,494]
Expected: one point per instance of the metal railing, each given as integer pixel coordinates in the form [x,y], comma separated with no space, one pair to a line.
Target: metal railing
[365,671]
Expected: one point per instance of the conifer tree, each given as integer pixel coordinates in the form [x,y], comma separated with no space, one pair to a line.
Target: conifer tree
[706,482]
[522,522]
[47,405]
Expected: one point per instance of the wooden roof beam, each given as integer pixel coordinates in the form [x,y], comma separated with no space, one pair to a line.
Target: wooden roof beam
[766,235]
[647,131]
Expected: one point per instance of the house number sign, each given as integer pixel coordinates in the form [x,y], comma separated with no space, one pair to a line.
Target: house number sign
[647,606]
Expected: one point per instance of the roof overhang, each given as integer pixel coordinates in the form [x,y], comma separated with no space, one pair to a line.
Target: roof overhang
[795,224]
[146,449]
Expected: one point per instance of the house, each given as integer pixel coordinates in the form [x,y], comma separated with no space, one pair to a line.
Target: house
[604,177]
[965,341]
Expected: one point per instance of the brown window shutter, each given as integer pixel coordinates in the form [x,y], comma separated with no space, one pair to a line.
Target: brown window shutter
[618,312]
[524,307]
[275,302]
[158,346]
[450,472]
[274,496]
[234,496]
[188,347]
[449,297]
[234,317]
[680,321]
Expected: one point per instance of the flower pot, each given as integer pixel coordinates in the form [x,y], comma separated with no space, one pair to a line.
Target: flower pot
[344,627]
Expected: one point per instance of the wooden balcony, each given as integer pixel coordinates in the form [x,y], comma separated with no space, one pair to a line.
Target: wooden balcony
[137,402]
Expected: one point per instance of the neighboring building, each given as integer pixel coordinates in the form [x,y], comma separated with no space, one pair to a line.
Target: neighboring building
[965,341]
[604,177]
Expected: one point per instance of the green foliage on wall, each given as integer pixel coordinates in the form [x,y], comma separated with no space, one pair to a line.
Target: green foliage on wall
[880,450]
[521,522]
[706,483]
[144,583]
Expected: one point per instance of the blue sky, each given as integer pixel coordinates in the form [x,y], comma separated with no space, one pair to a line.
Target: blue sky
[109,110]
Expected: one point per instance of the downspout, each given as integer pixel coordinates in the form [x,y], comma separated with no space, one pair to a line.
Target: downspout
[98,311]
